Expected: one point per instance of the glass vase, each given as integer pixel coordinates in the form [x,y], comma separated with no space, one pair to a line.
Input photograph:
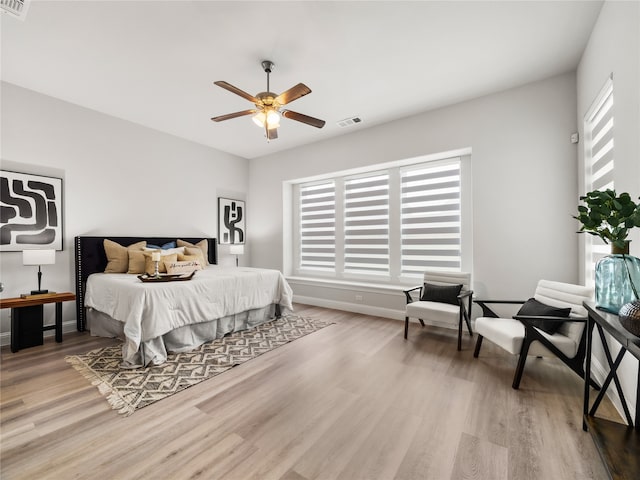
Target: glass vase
[614,274]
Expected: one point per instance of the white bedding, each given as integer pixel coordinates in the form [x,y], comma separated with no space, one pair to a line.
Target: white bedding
[150,310]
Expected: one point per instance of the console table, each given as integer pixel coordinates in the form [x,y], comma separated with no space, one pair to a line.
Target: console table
[618,444]
[27,318]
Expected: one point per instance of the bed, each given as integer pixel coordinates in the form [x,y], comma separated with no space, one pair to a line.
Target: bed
[154,319]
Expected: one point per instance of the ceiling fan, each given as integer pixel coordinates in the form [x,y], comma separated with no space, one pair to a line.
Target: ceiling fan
[268,108]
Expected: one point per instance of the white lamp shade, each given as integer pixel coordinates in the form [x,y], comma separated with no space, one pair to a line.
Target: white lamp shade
[38,257]
[236,250]
[259,119]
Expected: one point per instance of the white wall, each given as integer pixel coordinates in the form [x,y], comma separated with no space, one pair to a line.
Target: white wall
[119,178]
[614,47]
[524,187]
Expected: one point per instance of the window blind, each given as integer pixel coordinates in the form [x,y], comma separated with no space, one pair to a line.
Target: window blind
[430,218]
[599,124]
[317,226]
[366,224]
[599,164]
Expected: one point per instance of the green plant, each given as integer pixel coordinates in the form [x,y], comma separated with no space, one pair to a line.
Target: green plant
[608,216]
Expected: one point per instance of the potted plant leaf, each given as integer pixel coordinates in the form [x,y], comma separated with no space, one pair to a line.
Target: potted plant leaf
[610,216]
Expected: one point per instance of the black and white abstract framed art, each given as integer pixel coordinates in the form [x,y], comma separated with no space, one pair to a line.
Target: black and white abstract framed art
[231,221]
[30,212]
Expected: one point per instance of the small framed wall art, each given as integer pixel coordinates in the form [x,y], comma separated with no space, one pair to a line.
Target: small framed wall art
[30,212]
[231,221]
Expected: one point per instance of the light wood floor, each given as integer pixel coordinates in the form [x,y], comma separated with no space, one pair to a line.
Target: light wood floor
[352,401]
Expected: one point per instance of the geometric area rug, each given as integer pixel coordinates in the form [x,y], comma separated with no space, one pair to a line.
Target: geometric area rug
[128,390]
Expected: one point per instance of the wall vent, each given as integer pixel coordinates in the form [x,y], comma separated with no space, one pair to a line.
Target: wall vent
[347,122]
[16,8]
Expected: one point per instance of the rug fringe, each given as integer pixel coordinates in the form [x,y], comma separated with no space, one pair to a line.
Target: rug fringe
[113,398]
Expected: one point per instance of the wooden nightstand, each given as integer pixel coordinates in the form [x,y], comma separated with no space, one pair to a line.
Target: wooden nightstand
[27,318]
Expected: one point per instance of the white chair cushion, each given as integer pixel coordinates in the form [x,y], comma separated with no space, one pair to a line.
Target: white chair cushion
[504,332]
[448,278]
[563,295]
[434,312]
[508,333]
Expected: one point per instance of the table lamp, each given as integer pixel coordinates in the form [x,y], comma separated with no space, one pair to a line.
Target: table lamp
[236,250]
[39,257]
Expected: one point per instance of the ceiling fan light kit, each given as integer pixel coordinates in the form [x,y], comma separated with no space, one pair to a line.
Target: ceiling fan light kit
[268,105]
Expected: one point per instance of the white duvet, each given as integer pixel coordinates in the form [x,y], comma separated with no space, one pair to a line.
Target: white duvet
[149,310]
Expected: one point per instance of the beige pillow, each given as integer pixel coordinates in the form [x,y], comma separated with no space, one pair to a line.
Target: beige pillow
[203,245]
[195,252]
[177,268]
[118,256]
[183,258]
[137,261]
[150,265]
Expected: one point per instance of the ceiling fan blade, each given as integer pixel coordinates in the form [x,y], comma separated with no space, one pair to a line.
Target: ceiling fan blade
[229,116]
[299,117]
[294,93]
[272,133]
[236,90]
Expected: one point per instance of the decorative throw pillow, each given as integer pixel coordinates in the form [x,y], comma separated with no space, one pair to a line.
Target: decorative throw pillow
[137,261]
[195,252]
[183,258]
[176,268]
[162,247]
[441,293]
[150,265]
[534,308]
[203,245]
[118,256]
[165,251]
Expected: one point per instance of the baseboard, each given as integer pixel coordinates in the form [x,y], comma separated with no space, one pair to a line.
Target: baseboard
[351,307]
[365,310]
[67,327]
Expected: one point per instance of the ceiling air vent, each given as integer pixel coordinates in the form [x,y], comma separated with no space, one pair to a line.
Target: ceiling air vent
[347,122]
[16,8]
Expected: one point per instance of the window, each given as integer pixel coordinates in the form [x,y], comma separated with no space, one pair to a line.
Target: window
[598,164]
[317,226]
[385,225]
[366,224]
[431,218]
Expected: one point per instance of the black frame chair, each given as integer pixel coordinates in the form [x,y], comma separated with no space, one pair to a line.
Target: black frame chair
[532,334]
[445,278]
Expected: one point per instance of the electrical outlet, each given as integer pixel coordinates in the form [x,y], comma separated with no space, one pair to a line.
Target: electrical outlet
[358,298]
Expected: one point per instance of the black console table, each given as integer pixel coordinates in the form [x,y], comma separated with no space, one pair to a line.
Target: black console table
[618,444]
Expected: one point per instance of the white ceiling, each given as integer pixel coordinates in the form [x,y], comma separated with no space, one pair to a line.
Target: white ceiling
[154,62]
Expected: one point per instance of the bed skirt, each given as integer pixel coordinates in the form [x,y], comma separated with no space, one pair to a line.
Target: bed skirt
[182,339]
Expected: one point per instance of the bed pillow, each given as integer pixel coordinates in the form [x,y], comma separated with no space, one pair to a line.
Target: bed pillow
[441,293]
[118,256]
[163,247]
[183,257]
[178,267]
[195,252]
[137,261]
[150,265]
[534,308]
[203,245]
[165,251]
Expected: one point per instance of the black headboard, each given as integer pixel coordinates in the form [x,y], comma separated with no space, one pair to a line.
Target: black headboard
[91,258]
